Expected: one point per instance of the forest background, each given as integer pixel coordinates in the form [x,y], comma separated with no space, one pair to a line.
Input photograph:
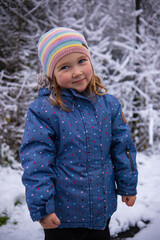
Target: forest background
[124,40]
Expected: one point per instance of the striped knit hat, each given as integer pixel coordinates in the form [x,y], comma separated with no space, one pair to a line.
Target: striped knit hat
[57,43]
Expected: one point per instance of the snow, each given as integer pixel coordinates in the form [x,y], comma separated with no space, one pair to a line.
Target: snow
[147,207]
[12,191]
[151,232]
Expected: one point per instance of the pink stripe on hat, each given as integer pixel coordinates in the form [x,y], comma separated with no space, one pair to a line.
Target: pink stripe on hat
[57,43]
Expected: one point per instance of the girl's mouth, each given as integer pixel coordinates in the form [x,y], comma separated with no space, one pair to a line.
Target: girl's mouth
[79,81]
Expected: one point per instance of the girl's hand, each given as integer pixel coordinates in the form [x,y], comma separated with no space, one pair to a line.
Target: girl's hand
[129,200]
[50,221]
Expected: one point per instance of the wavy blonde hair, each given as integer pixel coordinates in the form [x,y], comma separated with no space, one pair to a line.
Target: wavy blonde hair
[94,86]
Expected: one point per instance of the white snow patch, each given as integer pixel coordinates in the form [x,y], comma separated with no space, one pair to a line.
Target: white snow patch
[147,206]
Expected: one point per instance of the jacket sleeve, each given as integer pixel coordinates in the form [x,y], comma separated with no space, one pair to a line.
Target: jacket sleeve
[123,153]
[37,154]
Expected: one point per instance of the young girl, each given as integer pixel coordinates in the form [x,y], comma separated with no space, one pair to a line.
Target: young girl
[77,152]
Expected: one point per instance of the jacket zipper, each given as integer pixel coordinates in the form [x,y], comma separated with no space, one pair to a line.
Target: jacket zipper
[130,159]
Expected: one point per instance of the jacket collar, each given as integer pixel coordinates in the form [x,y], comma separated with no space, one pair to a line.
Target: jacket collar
[44,92]
[67,93]
[73,93]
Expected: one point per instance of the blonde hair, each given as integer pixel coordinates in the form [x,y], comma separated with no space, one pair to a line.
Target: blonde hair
[94,86]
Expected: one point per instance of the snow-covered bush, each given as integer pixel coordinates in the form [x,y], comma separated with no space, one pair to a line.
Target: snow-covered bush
[125,58]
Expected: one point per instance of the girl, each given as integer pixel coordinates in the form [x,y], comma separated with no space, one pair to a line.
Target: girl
[77,152]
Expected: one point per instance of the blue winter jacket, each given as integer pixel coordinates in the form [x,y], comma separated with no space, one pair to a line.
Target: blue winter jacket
[76,163]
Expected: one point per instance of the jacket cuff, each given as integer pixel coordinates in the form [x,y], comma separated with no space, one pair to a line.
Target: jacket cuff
[126,193]
[43,211]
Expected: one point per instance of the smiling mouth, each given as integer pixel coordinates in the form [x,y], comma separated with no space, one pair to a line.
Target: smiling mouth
[79,81]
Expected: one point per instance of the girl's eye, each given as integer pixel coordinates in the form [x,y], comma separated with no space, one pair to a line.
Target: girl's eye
[64,67]
[82,61]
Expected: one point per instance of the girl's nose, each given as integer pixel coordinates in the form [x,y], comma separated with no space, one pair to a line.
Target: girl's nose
[76,72]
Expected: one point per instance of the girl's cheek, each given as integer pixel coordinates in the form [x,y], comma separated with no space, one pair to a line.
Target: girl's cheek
[63,80]
[89,72]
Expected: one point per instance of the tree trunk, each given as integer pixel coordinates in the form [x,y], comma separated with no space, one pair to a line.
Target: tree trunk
[138,3]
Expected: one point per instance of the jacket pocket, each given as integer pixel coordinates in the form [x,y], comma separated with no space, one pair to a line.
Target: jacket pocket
[130,159]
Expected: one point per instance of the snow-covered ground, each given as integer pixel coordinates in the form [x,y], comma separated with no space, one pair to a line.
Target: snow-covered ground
[147,207]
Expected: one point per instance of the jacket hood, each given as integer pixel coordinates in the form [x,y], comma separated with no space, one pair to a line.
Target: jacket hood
[44,82]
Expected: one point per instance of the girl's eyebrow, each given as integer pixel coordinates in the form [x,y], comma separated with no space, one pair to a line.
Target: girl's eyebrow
[68,62]
[63,64]
[82,56]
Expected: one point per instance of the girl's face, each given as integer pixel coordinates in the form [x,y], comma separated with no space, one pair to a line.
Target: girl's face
[73,71]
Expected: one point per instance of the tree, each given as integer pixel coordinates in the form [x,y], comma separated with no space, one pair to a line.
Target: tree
[123,41]
[148,75]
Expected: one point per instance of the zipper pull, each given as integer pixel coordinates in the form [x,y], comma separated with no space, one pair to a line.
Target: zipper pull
[130,159]
[128,153]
